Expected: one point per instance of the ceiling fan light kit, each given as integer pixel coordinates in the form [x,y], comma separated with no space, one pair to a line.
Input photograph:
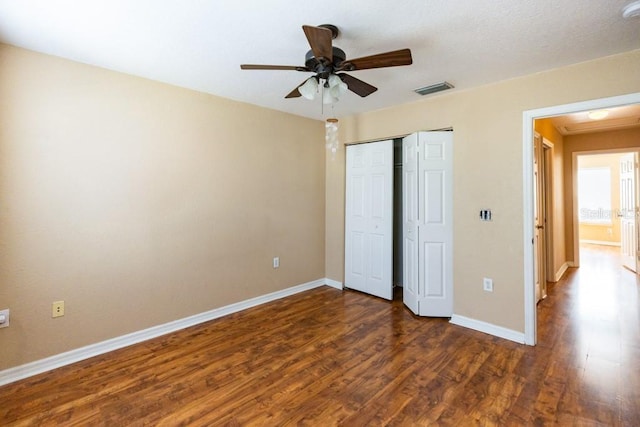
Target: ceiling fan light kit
[329,64]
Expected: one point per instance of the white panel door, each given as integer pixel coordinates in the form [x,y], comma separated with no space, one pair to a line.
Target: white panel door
[369,219]
[435,182]
[538,233]
[628,240]
[428,223]
[410,222]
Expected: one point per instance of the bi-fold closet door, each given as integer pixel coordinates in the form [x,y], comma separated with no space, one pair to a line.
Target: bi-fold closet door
[369,218]
[427,221]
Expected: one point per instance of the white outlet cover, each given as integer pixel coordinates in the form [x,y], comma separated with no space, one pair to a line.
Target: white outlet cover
[487,284]
[4,318]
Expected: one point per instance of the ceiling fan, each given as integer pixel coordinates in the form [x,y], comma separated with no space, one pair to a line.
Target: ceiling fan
[329,63]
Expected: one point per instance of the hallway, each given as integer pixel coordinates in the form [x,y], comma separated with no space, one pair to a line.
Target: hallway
[591,319]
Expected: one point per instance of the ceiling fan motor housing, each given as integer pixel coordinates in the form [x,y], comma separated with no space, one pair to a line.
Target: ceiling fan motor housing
[322,67]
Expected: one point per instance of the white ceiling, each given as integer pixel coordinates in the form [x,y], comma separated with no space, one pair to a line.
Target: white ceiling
[617,118]
[200,44]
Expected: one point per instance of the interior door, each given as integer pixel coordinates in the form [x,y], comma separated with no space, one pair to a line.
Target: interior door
[410,222]
[369,218]
[428,212]
[538,240]
[628,241]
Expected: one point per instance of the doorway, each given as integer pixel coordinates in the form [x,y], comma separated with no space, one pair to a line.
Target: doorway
[530,332]
[606,187]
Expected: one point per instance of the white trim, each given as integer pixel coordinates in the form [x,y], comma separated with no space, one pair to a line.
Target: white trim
[333,283]
[39,366]
[488,328]
[574,205]
[527,174]
[563,269]
[600,242]
[528,219]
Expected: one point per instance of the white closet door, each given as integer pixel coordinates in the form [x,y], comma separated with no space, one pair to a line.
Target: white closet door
[433,293]
[410,222]
[369,219]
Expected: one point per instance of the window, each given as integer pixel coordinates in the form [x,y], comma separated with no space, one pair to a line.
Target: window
[594,195]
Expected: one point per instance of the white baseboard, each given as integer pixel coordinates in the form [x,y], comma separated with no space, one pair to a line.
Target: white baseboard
[488,328]
[601,242]
[39,366]
[333,284]
[561,271]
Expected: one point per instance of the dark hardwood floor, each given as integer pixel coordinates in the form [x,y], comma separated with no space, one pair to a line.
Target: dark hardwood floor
[327,357]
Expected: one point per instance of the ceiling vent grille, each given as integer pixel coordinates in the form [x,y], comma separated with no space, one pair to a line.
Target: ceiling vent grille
[438,87]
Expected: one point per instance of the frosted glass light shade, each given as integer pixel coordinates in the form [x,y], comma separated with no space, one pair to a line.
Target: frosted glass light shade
[336,86]
[309,88]
[327,96]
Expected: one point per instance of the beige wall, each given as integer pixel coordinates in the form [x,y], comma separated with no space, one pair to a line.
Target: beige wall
[488,173]
[547,130]
[608,233]
[138,203]
[614,140]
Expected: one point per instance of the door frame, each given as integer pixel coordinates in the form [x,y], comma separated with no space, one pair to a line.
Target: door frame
[528,118]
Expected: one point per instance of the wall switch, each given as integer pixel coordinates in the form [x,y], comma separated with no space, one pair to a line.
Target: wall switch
[487,284]
[4,318]
[57,309]
[276,262]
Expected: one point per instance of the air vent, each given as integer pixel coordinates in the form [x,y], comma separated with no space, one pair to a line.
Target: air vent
[434,88]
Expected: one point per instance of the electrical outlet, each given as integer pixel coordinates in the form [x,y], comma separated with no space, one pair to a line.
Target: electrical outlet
[487,284]
[57,309]
[4,318]
[276,262]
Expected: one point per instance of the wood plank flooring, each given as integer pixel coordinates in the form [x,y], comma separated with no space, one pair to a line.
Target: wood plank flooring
[327,357]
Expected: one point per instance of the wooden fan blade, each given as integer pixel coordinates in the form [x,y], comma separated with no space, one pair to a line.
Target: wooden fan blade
[272,67]
[294,93]
[320,41]
[389,59]
[357,86]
